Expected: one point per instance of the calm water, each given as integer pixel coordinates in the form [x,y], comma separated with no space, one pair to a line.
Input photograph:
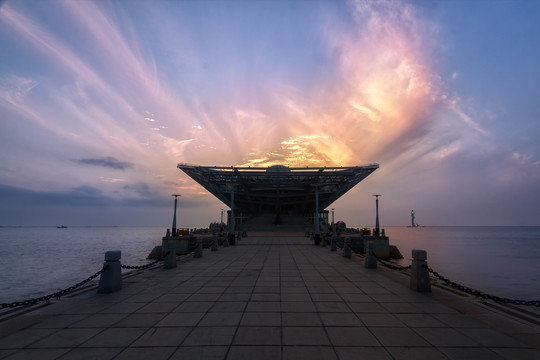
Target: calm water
[502,261]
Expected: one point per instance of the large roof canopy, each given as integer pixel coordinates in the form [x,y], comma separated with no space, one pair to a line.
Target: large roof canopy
[277,189]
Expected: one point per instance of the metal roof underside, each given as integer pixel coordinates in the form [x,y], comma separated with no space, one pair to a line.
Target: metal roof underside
[277,189]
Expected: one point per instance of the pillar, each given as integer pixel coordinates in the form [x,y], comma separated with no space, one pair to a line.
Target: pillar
[419,273]
[111,279]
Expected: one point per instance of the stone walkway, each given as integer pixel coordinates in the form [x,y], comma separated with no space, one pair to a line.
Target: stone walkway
[278,298]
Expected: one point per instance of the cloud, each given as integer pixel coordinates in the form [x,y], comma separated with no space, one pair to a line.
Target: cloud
[107,162]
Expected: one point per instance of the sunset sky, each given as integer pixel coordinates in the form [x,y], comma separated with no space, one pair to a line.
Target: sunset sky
[99,102]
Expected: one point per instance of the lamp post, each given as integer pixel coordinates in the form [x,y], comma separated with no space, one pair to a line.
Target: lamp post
[221,216]
[377,230]
[332,217]
[174,217]
[317,222]
[232,239]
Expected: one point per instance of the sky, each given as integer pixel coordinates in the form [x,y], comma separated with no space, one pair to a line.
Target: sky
[100,101]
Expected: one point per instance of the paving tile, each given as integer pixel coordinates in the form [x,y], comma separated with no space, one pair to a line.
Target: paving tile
[221,319]
[492,338]
[332,307]
[458,321]
[66,338]
[215,335]
[265,297]
[180,319]
[204,297]
[380,319]
[145,353]
[59,321]
[304,336]
[419,320]
[229,306]
[294,290]
[351,336]
[202,306]
[163,337]
[254,352]
[140,320]
[326,297]
[261,319]
[395,336]
[366,307]
[352,298]
[340,319]
[300,319]
[123,308]
[235,297]
[200,352]
[445,337]
[297,306]
[98,320]
[295,296]
[517,354]
[461,353]
[114,337]
[158,307]
[357,352]
[41,354]
[90,353]
[401,308]
[263,306]
[309,352]
[261,335]
[415,353]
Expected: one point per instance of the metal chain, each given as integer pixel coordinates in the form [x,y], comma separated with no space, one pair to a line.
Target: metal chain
[146,265]
[481,294]
[56,295]
[390,266]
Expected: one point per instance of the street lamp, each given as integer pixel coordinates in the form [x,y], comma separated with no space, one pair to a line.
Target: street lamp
[174,217]
[377,230]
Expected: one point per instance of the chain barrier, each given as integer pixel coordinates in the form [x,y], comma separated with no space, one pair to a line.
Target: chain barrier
[146,266]
[390,266]
[481,294]
[56,295]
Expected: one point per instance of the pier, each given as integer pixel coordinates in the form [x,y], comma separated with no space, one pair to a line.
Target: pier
[271,296]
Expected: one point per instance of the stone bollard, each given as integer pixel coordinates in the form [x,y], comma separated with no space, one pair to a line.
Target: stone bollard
[333,246]
[215,246]
[420,274]
[170,259]
[111,279]
[198,253]
[346,248]
[225,241]
[371,260]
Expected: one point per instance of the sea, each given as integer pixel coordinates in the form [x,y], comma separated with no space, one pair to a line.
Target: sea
[37,261]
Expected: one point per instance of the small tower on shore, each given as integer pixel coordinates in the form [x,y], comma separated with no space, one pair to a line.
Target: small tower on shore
[412,219]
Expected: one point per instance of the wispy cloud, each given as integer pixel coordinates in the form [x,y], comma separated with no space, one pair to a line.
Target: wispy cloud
[107,162]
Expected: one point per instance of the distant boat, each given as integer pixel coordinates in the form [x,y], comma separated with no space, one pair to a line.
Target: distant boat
[62,227]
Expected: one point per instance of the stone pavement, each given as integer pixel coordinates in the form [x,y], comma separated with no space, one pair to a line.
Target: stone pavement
[268,297]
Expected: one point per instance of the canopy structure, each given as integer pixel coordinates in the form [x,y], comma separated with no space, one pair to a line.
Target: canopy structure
[277,189]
